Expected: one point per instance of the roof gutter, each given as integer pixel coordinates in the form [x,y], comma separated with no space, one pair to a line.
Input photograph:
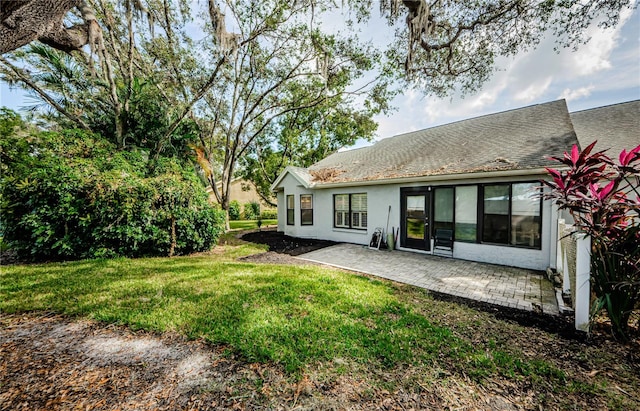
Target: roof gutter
[439,177]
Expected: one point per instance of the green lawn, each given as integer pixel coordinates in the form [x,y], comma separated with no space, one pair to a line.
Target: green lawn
[298,317]
[249,224]
[291,315]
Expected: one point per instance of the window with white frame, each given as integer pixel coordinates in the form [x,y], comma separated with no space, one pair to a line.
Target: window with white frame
[359,211]
[341,210]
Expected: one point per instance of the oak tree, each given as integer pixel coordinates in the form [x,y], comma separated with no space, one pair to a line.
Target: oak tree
[24,21]
[222,78]
[449,44]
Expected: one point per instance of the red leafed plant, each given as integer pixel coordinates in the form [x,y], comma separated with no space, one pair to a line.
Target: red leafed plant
[603,196]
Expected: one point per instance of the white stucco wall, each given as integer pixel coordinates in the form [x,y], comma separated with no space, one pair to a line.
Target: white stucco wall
[380,197]
[293,187]
[282,211]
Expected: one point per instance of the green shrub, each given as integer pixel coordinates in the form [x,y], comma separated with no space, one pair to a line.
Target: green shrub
[601,193]
[269,215]
[71,195]
[251,210]
[234,210]
[9,122]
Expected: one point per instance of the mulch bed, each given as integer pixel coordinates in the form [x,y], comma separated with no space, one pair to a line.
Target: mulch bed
[282,248]
[284,244]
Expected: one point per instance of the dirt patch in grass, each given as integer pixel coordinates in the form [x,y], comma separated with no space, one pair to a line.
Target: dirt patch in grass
[54,362]
[273,257]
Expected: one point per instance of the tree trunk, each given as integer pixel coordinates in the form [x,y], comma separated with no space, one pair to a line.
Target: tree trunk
[225,206]
[24,21]
[174,239]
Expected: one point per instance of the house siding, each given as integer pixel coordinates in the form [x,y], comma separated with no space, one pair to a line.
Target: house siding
[282,211]
[294,188]
[379,198]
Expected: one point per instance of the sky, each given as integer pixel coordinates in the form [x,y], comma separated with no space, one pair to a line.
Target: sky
[604,71]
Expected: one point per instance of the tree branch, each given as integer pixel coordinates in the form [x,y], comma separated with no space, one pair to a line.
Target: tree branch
[24,78]
[205,87]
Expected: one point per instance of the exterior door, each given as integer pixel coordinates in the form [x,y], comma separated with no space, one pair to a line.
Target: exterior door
[414,226]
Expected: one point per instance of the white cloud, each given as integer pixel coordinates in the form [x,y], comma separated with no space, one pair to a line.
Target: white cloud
[595,55]
[534,90]
[441,111]
[569,94]
[486,98]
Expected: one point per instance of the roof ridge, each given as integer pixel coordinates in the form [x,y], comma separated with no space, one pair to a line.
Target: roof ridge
[607,106]
[473,118]
[352,149]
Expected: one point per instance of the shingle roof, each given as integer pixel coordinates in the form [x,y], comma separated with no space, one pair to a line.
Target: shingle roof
[299,173]
[510,140]
[615,127]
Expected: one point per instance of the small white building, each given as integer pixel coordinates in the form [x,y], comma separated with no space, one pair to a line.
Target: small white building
[477,181]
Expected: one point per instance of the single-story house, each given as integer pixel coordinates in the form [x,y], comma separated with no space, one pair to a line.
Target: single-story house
[477,180]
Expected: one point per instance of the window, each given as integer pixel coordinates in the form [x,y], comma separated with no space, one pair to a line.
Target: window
[359,211]
[306,209]
[525,215]
[350,211]
[443,209]
[290,210]
[466,213]
[512,214]
[495,223]
[416,216]
[502,213]
[341,210]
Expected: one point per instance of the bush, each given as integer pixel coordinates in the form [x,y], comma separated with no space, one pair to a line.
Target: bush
[269,215]
[603,196]
[251,210]
[71,195]
[234,210]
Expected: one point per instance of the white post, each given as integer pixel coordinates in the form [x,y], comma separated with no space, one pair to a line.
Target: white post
[583,275]
[561,258]
[560,267]
[566,281]
[554,236]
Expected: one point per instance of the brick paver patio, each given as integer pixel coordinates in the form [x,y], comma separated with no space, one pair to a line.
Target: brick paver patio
[504,286]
